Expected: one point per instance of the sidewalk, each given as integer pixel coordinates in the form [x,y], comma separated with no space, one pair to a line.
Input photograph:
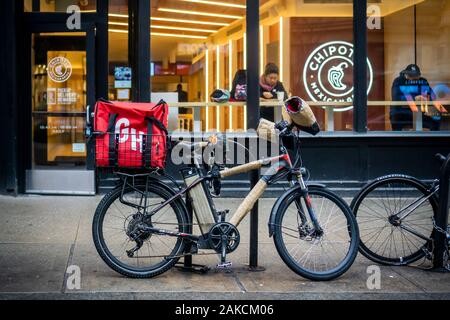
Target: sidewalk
[41,236]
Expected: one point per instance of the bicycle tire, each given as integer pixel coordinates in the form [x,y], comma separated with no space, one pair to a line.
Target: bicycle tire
[106,254]
[371,188]
[352,229]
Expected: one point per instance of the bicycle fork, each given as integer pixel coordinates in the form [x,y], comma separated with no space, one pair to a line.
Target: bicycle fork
[317,231]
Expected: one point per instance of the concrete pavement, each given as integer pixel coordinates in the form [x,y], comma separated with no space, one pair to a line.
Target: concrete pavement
[40,236]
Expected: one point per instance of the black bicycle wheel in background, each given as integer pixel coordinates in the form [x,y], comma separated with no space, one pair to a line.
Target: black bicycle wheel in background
[387,243]
[322,258]
[113,219]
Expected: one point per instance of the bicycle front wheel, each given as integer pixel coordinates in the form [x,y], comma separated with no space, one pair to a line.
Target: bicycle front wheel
[384,239]
[317,257]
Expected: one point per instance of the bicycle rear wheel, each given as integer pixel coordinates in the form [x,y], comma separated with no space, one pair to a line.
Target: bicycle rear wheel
[113,221]
[317,258]
[383,240]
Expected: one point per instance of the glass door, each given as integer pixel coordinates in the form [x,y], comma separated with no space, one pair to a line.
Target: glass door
[62,85]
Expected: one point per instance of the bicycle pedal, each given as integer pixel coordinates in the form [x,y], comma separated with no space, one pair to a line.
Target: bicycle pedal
[225,265]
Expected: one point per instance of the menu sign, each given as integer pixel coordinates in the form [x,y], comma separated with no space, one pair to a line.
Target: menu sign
[61,96]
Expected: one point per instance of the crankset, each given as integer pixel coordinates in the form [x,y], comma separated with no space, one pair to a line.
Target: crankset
[224,238]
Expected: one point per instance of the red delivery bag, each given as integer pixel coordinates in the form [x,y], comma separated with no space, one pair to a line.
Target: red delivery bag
[131,135]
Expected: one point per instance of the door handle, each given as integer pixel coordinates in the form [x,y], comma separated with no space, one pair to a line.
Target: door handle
[88,115]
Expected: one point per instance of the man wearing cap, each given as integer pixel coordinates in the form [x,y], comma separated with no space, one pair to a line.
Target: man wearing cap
[410,86]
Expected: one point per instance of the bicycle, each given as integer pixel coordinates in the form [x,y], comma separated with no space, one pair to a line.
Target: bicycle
[314,230]
[396,216]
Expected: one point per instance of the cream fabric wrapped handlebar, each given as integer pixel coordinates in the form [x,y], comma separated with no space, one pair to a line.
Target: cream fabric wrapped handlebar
[303,117]
[266,130]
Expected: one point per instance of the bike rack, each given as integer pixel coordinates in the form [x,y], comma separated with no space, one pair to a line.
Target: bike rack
[440,251]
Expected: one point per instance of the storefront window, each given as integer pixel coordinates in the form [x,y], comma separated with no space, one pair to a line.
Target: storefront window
[411,88]
[197,47]
[58,5]
[311,45]
[120,73]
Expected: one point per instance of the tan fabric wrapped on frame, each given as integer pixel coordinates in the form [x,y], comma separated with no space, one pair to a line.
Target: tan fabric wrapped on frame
[248,202]
[241,169]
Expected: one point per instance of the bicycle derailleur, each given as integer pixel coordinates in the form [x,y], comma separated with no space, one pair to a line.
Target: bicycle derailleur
[134,230]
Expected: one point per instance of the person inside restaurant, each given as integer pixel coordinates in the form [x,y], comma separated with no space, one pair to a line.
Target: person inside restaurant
[410,86]
[271,88]
[182,97]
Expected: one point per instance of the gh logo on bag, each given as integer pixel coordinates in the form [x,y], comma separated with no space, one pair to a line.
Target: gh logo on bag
[328,72]
[126,133]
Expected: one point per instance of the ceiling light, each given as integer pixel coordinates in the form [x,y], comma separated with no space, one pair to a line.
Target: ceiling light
[198,13]
[216,3]
[177,35]
[118,23]
[173,35]
[166,27]
[117,31]
[118,15]
[182,28]
[223,24]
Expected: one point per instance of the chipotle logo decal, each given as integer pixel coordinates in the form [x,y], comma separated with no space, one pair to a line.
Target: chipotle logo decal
[328,72]
[59,69]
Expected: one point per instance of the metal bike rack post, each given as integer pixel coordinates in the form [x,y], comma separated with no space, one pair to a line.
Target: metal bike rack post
[253,94]
[188,259]
[440,237]
[252,140]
